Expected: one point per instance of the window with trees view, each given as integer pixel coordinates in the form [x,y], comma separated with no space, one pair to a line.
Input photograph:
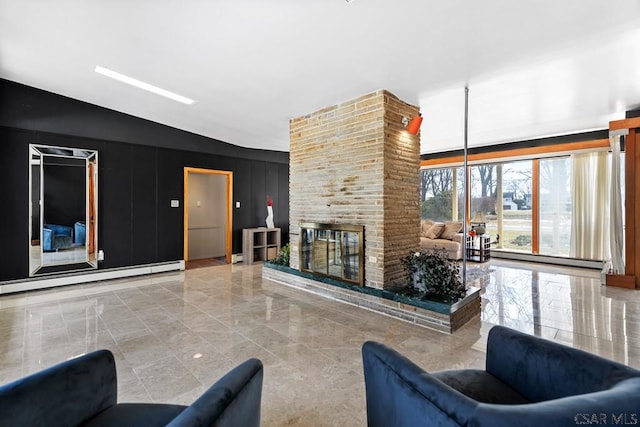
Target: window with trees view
[549,206]
[437,194]
[516,200]
[441,203]
[502,195]
[555,206]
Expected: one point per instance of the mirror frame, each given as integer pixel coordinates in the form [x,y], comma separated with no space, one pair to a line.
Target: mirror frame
[37,155]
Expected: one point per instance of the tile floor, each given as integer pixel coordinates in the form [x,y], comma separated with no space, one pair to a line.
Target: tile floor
[174,334]
[206,262]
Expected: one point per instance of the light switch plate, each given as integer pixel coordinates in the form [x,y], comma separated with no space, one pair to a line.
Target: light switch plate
[237,205]
[175,203]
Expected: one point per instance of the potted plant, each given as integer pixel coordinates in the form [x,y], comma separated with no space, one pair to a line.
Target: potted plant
[432,275]
[283,256]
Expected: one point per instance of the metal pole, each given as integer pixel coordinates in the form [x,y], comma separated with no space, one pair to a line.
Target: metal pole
[466,187]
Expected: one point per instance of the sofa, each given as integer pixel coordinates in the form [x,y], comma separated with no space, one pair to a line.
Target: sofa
[527,381]
[442,235]
[83,392]
[56,237]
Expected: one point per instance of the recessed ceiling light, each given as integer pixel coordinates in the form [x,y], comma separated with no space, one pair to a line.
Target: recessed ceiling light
[142,85]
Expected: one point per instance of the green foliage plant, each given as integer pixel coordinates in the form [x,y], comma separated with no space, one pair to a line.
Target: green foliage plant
[433,275]
[283,256]
[437,208]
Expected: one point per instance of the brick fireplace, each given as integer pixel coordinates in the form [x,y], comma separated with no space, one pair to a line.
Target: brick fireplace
[354,163]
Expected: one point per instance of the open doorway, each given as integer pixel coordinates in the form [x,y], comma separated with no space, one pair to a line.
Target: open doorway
[208,199]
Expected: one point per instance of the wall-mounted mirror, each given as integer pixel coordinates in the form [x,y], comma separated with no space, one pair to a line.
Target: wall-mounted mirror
[63,209]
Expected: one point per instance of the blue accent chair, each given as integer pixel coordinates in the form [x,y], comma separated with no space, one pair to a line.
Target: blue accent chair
[80,233]
[82,392]
[528,381]
[56,237]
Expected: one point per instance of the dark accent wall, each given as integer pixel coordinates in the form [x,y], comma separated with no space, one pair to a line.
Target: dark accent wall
[632,114]
[140,171]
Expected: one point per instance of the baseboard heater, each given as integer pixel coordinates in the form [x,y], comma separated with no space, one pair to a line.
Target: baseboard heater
[86,277]
[547,259]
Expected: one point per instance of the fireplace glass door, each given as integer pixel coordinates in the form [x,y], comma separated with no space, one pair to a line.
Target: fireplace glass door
[332,250]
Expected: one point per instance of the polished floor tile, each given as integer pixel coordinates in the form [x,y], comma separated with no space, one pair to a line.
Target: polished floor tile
[174,334]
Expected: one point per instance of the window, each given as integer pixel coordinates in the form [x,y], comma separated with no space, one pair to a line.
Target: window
[437,194]
[517,200]
[555,206]
[527,205]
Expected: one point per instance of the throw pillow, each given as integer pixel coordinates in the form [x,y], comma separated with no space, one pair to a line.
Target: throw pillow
[425,225]
[435,231]
[450,229]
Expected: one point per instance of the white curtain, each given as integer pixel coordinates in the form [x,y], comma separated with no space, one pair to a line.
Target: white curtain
[616,223]
[590,213]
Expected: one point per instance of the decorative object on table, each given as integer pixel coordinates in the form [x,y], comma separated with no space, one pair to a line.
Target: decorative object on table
[434,276]
[269,219]
[479,223]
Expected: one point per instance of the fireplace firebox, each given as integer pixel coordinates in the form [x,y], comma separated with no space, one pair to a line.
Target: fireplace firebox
[333,250]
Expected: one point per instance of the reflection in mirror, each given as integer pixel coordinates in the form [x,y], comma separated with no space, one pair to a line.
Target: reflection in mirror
[63,209]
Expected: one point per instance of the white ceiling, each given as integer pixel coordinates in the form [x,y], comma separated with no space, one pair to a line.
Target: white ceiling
[533,68]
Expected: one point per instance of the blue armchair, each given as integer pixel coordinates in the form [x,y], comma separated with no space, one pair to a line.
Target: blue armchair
[56,237]
[82,392]
[79,233]
[528,381]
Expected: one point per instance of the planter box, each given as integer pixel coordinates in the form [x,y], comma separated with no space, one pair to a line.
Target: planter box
[429,314]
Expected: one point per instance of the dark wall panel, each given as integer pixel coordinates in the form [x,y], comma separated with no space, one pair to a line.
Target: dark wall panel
[241,193]
[115,226]
[14,212]
[144,205]
[170,220]
[282,214]
[258,200]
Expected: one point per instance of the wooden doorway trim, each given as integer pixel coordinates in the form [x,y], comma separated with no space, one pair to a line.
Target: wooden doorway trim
[229,177]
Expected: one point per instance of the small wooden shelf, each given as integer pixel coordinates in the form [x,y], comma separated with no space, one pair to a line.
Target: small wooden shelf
[260,244]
